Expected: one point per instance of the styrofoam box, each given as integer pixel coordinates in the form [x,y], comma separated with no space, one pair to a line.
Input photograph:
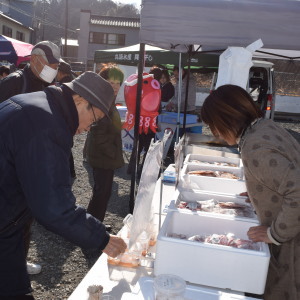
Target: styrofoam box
[145,288]
[207,158]
[194,196]
[206,264]
[211,184]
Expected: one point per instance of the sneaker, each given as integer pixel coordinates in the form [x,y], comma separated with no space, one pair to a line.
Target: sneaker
[33,269]
[108,228]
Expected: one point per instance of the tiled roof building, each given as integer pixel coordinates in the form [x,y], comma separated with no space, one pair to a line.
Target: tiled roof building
[104,32]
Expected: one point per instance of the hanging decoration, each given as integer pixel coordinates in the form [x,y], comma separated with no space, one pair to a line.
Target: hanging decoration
[150,102]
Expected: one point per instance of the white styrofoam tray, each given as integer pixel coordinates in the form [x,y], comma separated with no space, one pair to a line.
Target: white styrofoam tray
[211,184]
[206,264]
[205,159]
[145,290]
[194,196]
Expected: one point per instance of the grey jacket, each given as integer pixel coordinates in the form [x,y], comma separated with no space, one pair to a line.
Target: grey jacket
[271,158]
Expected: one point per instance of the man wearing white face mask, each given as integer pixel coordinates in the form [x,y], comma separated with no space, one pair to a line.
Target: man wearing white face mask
[36,76]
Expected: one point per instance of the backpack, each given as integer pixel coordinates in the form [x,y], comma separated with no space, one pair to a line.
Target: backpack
[25,84]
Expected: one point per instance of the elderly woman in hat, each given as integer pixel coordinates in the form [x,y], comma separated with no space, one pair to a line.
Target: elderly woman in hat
[272,172]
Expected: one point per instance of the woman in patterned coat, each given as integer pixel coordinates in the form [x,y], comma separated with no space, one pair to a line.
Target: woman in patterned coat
[271,158]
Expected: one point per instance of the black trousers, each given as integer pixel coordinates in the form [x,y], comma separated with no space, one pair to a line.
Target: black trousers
[144,144]
[72,166]
[20,297]
[103,180]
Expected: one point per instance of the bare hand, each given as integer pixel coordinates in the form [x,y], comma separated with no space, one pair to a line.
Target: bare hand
[259,234]
[245,194]
[169,106]
[115,246]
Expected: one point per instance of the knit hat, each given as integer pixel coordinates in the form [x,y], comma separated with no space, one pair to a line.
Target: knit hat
[94,89]
[49,51]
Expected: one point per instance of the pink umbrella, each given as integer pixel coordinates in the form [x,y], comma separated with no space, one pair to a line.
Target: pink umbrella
[13,50]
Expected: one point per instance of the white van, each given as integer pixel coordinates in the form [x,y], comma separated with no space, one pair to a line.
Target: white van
[261,86]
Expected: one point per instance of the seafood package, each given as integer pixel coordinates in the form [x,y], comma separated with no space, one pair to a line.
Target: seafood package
[213,206]
[221,180]
[212,250]
[210,173]
[215,163]
[228,239]
[132,256]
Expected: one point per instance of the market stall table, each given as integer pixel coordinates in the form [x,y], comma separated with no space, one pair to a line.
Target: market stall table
[118,280]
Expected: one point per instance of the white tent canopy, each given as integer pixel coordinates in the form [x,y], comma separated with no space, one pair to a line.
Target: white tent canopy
[217,24]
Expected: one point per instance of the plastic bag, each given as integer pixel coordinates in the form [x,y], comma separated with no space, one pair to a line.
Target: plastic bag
[235,63]
[143,210]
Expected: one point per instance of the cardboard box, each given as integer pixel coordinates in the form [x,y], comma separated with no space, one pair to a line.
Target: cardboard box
[206,264]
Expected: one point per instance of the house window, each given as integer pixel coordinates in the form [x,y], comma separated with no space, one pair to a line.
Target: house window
[20,36]
[6,31]
[107,38]
[97,38]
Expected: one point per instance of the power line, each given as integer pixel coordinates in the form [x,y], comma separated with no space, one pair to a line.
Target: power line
[44,22]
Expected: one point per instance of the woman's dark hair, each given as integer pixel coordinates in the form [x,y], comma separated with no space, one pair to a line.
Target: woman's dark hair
[112,72]
[228,110]
[166,74]
[4,70]
[156,72]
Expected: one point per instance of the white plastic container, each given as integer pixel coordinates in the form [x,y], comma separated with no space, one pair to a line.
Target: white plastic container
[207,264]
[211,184]
[208,160]
[194,196]
[169,287]
[145,290]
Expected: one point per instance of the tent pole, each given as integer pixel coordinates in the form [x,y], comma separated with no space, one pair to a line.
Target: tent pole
[179,98]
[136,127]
[187,86]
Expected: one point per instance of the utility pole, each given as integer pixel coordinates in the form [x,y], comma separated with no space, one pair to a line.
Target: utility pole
[66,31]
[44,18]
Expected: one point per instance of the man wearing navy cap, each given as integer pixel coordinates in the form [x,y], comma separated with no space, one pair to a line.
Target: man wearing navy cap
[35,76]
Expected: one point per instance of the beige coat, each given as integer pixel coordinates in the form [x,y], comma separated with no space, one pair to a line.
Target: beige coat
[271,158]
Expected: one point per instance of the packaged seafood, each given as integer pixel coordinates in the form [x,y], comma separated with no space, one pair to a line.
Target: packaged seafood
[211,173]
[199,202]
[208,263]
[209,184]
[228,239]
[132,257]
[213,161]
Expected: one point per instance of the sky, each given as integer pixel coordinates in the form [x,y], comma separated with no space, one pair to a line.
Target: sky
[136,2]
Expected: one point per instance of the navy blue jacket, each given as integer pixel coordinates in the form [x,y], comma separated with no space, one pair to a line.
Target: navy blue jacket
[36,134]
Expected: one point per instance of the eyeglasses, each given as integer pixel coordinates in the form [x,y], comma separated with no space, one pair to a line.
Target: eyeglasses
[95,119]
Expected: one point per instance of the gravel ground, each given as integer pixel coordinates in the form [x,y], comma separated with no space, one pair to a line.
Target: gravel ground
[65,265]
